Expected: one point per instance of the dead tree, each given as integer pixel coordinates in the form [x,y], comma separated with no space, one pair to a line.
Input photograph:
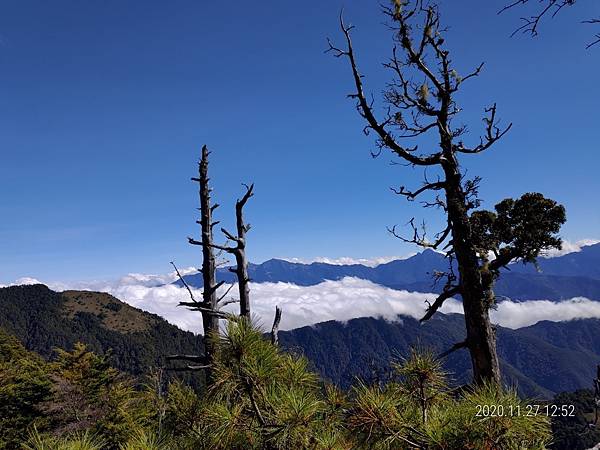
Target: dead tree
[545,8]
[209,265]
[238,251]
[210,304]
[419,101]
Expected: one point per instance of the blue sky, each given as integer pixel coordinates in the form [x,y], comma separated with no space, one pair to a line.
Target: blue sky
[105,105]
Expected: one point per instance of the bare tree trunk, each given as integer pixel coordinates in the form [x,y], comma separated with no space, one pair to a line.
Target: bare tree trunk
[239,251]
[208,307]
[481,338]
[211,304]
[209,267]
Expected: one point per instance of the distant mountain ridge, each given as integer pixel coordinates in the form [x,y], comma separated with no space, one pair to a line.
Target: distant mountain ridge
[572,275]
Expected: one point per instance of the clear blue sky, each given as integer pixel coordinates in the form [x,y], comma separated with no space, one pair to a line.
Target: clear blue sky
[104,106]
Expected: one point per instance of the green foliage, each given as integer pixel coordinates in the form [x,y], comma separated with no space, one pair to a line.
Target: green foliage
[79,396]
[266,398]
[263,398]
[418,411]
[513,429]
[76,441]
[575,432]
[519,228]
[423,380]
[146,440]
[24,383]
[89,395]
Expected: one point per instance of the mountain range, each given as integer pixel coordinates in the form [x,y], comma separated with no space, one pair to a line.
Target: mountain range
[559,278]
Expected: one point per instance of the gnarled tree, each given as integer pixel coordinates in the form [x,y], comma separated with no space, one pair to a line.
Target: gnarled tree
[420,101]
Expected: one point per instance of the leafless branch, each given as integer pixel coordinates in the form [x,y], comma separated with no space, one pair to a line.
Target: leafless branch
[217,246]
[420,238]
[530,24]
[188,368]
[366,110]
[411,195]
[439,301]
[229,302]
[492,133]
[184,282]
[204,309]
[225,295]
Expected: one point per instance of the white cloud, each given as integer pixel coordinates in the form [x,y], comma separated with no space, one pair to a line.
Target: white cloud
[341,300]
[131,279]
[306,305]
[516,315]
[26,280]
[570,247]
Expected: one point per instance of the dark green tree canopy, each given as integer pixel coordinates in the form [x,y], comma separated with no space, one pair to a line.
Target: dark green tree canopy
[518,229]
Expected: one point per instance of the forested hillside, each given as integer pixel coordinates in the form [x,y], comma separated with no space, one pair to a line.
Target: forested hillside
[44,320]
[540,360]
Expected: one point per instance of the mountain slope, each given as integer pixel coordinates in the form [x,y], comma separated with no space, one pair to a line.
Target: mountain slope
[43,320]
[537,359]
[568,276]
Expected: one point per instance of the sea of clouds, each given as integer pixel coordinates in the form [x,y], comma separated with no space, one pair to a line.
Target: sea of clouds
[341,300]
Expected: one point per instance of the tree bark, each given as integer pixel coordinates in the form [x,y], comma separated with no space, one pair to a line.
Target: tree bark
[239,252]
[481,338]
[209,294]
[241,261]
